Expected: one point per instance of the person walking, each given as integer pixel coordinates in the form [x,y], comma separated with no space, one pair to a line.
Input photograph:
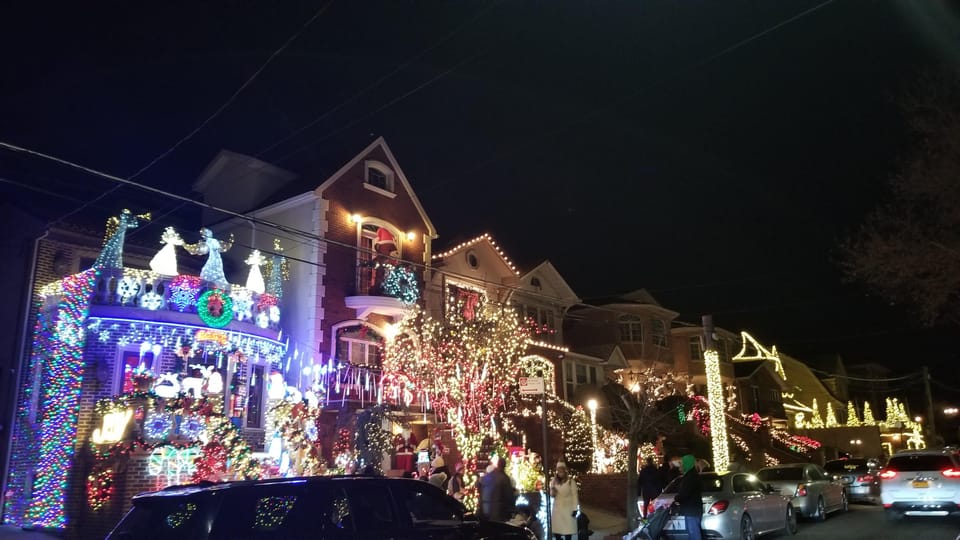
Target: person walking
[455,485]
[563,489]
[649,485]
[689,499]
[496,493]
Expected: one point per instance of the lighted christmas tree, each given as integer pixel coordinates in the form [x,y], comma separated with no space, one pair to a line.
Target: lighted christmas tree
[578,441]
[868,415]
[277,270]
[852,420]
[831,420]
[342,450]
[890,413]
[815,420]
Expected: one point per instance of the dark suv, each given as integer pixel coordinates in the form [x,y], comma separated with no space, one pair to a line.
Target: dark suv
[329,507]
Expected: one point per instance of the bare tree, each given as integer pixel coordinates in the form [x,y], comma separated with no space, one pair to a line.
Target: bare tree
[642,404]
[908,249]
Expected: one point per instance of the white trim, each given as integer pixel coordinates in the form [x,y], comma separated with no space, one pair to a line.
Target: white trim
[397,170]
[317,291]
[546,271]
[379,191]
[351,322]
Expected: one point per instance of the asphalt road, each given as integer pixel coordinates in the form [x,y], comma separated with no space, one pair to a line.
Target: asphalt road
[868,523]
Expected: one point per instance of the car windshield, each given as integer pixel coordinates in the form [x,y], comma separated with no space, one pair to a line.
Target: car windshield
[846,465]
[920,462]
[162,518]
[781,474]
[709,483]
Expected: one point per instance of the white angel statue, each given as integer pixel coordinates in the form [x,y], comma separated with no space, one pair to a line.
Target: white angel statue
[255,278]
[212,270]
[165,261]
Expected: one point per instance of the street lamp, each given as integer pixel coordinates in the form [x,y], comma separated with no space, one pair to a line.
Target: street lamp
[950,411]
[592,405]
[918,419]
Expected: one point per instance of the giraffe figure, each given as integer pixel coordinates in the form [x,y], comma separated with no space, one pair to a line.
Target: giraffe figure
[111,256]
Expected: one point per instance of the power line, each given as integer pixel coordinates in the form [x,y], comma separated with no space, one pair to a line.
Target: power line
[209,118]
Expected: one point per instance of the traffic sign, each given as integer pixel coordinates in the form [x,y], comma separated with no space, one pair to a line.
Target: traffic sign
[531,385]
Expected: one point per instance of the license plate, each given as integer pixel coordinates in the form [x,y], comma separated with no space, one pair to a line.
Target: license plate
[921,484]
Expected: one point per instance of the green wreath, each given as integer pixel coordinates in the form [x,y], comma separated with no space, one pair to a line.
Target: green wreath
[400,282]
[203,309]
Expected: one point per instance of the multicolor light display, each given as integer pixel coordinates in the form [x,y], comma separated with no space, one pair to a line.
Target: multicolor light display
[215,308]
[58,350]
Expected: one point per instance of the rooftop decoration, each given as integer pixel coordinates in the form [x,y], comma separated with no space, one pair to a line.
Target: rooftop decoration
[165,261]
[277,270]
[212,270]
[475,241]
[759,353]
[111,256]
[255,278]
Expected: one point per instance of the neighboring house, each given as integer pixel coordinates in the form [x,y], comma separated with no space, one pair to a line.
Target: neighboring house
[687,344]
[635,322]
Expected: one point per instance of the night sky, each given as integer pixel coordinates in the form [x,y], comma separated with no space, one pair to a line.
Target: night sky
[634,144]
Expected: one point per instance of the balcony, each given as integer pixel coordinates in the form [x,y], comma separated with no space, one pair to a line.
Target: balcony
[384,288]
[145,295]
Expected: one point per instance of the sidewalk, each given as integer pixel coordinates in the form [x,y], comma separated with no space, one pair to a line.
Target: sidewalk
[9,531]
[604,523]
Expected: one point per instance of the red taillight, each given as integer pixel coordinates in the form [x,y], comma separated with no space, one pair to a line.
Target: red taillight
[865,478]
[888,474]
[718,507]
[801,491]
[951,473]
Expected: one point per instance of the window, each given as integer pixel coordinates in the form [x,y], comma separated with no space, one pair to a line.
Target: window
[575,375]
[543,321]
[257,393]
[379,178]
[359,345]
[374,509]
[920,462]
[284,511]
[166,518]
[376,178]
[659,333]
[376,243]
[696,349]
[741,483]
[129,362]
[781,474]
[631,330]
[424,504]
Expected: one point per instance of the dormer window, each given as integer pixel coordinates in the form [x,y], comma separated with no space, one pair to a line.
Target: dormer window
[379,178]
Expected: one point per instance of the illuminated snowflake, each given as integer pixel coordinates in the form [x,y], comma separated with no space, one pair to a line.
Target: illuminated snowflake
[243,304]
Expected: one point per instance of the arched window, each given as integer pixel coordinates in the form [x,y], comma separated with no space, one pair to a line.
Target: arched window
[378,176]
[359,345]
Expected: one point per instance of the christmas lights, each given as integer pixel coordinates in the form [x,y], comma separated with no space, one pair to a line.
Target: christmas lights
[831,421]
[760,353]
[277,270]
[184,291]
[242,303]
[113,427]
[157,425]
[474,241]
[868,415]
[58,347]
[111,256]
[400,282]
[165,261]
[151,300]
[99,488]
[718,418]
[852,420]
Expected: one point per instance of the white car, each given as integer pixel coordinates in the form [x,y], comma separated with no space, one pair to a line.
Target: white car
[921,483]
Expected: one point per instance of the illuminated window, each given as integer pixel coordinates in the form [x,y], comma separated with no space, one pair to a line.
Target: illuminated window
[631,330]
[359,346]
[130,361]
[376,242]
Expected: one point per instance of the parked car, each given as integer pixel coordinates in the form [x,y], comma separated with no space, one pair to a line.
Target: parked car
[814,492]
[735,506]
[860,477]
[921,483]
[332,507]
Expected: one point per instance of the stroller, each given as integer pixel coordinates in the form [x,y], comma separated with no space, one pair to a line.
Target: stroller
[653,527]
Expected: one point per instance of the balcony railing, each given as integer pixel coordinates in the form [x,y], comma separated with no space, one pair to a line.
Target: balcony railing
[398,281]
[147,290]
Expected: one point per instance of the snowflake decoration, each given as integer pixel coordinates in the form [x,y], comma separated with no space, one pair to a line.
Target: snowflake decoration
[157,425]
[191,427]
[274,314]
[263,320]
[184,291]
[243,304]
[151,301]
[128,288]
[311,431]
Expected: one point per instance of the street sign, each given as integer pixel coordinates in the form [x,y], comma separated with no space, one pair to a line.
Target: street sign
[531,385]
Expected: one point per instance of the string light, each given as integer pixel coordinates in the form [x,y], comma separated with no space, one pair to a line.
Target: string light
[212,270]
[255,277]
[831,421]
[475,241]
[760,353]
[111,256]
[400,282]
[277,270]
[215,308]
[852,420]
[165,261]
[868,415]
[718,418]
[58,346]
[184,291]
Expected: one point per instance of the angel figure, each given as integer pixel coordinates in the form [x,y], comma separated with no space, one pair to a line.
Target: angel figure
[111,256]
[165,261]
[255,278]
[277,270]
[212,270]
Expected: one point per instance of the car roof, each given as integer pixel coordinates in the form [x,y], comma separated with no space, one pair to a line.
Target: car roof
[209,487]
[925,452]
[785,466]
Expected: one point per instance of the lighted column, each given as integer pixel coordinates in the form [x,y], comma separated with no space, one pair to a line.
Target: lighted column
[718,419]
[592,405]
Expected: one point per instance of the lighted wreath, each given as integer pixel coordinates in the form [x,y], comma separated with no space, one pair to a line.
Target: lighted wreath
[215,308]
[400,282]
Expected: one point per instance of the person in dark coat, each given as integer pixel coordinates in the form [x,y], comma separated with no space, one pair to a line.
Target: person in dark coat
[649,485]
[689,500]
[496,494]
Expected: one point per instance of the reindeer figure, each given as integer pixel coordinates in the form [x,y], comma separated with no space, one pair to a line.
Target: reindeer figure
[111,256]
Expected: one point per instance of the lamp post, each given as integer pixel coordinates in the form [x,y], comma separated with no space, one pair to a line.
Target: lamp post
[592,405]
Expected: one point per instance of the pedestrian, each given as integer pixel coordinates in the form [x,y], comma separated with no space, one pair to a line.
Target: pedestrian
[563,489]
[689,501]
[496,493]
[649,485]
[438,473]
[455,485]
[673,469]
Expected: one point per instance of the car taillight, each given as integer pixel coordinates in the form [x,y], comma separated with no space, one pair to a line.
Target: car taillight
[888,474]
[718,507]
[951,473]
[801,491]
[865,478]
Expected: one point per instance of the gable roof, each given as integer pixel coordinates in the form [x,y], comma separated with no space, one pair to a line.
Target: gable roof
[382,144]
[548,272]
[482,238]
[609,354]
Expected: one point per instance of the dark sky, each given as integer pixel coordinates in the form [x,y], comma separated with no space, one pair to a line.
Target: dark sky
[634,144]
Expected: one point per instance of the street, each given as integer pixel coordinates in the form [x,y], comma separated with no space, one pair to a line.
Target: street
[868,523]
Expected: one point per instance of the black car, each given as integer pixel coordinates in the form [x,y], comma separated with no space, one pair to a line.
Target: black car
[861,477]
[329,507]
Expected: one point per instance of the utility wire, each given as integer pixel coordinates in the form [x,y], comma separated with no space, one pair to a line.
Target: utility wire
[210,118]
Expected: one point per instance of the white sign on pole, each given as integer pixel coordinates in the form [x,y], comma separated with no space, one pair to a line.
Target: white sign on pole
[531,385]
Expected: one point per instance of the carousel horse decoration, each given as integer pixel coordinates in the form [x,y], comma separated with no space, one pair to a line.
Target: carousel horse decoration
[111,256]
[212,270]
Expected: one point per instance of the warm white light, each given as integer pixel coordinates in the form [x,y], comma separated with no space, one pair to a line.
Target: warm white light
[592,405]
[411,236]
[390,331]
[113,427]
[950,411]
[718,418]
[356,218]
[918,419]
